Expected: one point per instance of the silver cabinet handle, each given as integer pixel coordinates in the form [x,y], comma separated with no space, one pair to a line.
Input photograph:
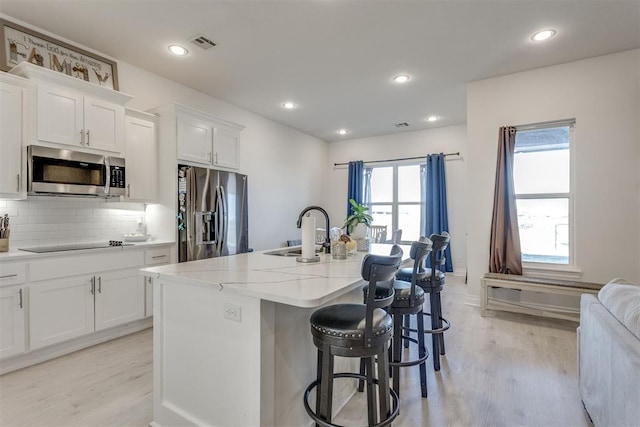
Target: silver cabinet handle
[215,158]
[88,138]
[81,136]
[150,280]
[158,256]
[18,183]
[209,156]
[93,285]
[128,190]
[20,293]
[99,284]
[8,276]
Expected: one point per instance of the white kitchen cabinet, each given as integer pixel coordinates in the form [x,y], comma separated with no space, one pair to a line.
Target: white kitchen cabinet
[71,112]
[12,328]
[66,116]
[60,310]
[195,140]
[157,256]
[148,296]
[12,133]
[119,298]
[225,144]
[206,140]
[141,156]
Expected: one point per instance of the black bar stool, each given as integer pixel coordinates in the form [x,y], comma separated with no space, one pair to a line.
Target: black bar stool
[357,330]
[433,283]
[408,300]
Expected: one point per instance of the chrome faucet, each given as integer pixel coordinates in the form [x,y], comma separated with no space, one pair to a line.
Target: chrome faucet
[327,242]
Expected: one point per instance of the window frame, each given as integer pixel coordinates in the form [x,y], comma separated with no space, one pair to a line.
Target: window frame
[569,270]
[395,203]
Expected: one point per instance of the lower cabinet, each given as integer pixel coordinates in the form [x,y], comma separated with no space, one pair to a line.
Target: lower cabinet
[60,310]
[12,332]
[119,298]
[66,308]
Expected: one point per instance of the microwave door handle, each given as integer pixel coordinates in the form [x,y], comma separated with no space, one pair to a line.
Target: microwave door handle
[108,175]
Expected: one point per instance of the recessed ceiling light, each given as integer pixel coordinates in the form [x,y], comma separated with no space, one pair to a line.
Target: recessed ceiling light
[289,105]
[343,132]
[543,35]
[402,78]
[433,118]
[177,50]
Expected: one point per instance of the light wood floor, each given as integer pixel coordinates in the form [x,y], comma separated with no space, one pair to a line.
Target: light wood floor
[504,370]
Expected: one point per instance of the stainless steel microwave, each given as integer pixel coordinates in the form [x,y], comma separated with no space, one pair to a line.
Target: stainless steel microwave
[67,172]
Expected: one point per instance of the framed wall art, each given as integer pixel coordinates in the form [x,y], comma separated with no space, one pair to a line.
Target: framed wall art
[23,44]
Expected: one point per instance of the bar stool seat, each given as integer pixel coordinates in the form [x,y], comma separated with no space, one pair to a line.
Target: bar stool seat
[357,330]
[343,325]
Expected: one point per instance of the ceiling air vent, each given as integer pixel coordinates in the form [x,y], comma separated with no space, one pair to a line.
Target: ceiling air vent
[203,42]
[402,125]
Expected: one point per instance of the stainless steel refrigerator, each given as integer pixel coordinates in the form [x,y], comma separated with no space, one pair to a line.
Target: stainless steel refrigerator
[212,213]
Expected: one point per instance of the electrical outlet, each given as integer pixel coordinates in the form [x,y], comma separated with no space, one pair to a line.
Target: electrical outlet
[232,312]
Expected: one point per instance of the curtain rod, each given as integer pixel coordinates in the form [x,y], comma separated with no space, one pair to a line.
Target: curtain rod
[397,160]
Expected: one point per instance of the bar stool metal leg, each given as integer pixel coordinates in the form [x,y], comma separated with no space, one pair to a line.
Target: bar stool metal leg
[422,353]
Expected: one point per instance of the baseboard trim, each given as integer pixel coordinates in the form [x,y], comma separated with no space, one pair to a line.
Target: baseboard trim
[40,355]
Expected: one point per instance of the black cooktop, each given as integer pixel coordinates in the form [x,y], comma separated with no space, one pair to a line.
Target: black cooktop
[76,247]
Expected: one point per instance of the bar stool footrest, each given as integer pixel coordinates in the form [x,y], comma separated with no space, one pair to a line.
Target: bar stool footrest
[413,362]
[446,326]
[394,396]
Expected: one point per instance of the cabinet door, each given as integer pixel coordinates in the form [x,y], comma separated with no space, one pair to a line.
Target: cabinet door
[225,144]
[59,115]
[194,141]
[12,333]
[148,295]
[11,122]
[104,125]
[119,298]
[141,158]
[60,310]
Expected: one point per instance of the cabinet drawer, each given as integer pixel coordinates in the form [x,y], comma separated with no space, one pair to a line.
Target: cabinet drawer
[158,256]
[63,266]
[13,273]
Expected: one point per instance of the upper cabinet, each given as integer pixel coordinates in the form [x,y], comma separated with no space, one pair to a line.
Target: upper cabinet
[141,156]
[12,133]
[68,111]
[202,139]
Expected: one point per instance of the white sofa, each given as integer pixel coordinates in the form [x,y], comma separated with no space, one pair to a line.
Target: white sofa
[609,354]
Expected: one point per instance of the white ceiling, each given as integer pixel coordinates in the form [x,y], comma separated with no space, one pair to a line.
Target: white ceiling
[336,58]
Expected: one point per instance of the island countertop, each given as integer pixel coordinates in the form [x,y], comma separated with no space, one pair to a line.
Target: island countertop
[275,278]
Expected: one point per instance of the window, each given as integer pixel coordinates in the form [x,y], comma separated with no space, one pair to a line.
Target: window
[394,195]
[542,179]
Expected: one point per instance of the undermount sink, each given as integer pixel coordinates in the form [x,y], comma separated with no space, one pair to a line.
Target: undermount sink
[289,252]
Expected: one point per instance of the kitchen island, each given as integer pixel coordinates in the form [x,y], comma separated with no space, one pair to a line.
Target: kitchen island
[232,345]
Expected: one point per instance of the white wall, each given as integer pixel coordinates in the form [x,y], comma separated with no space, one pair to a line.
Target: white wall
[603,95]
[408,144]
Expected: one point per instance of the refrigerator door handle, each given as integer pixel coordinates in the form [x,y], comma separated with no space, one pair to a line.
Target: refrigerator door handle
[225,224]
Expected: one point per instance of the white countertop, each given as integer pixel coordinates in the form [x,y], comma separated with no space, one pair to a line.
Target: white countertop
[14,254]
[275,278]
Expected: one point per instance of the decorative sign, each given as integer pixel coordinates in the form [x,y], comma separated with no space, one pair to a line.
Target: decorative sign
[22,44]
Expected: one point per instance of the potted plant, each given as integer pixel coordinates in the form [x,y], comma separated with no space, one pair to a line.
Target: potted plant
[357,223]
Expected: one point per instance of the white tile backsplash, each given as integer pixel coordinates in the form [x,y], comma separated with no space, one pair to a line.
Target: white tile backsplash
[45,220]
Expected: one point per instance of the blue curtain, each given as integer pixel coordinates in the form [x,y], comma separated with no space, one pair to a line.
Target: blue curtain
[355,189]
[436,218]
